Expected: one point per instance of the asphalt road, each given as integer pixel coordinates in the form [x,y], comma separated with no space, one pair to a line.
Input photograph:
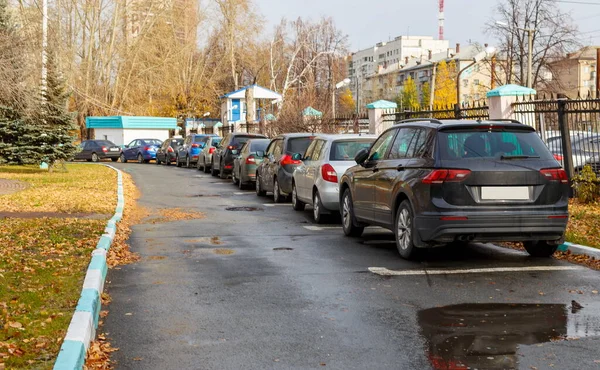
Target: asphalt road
[279,292]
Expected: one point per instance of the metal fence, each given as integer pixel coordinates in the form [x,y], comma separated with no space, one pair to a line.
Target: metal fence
[352,123]
[474,111]
[569,127]
[250,128]
[224,130]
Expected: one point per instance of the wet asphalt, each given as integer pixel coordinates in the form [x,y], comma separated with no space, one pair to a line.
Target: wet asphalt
[266,289]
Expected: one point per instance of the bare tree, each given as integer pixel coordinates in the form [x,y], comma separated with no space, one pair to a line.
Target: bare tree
[554,35]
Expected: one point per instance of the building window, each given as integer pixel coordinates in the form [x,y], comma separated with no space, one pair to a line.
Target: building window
[465,83]
[586,83]
[476,82]
[476,67]
[586,69]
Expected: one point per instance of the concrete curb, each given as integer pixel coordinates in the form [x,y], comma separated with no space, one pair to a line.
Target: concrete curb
[579,249]
[82,329]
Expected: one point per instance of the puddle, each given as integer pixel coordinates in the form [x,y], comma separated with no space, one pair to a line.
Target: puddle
[486,336]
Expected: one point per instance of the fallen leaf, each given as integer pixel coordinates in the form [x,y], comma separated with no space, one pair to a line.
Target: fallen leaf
[128,314]
[594,292]
[137,359]
[15,324]
[323,364]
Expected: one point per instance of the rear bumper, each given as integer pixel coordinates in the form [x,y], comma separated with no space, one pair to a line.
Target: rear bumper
[285,181]
[330,195]
[149,155]
[250,175]
[501,227]
[110,155]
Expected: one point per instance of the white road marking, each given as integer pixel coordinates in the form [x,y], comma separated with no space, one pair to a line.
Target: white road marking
[277,204]
[245,193]
[385,272]
[320,228]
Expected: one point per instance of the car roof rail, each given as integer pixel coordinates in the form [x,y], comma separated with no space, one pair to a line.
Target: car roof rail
[430,120]
[501,120]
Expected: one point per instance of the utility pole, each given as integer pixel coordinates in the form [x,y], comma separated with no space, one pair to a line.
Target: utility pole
[530,58]
[432,87]
[597,73]
[493,72]
[44,49]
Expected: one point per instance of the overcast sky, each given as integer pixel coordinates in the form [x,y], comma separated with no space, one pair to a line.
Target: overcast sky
[367,22]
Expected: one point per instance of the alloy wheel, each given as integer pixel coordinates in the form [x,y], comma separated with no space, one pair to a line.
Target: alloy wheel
[95,157]
[316,207]
[346,215]
[140,158]
[404,229]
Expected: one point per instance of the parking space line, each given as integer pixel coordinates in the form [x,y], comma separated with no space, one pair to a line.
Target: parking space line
[277,204]
[385,272]
[320,228]
[244,193]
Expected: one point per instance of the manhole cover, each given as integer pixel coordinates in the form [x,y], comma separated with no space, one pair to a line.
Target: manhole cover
[243,209]
[283,249]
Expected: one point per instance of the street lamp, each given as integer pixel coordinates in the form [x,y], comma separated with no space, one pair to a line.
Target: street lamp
[489,51]
[338,86]
[530,32]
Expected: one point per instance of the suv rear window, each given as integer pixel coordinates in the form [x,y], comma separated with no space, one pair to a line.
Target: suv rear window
[298,144]
[238,141]
[259,145]
[483,143]
[215,141]
[346,150]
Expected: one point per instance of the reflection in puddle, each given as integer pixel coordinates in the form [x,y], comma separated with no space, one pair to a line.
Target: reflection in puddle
[486,336]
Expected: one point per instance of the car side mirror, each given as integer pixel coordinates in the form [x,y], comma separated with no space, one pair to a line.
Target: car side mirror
[260,154]
[125,146]
[297,157]
[361,156]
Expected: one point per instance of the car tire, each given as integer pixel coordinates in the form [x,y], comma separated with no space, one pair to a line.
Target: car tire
[234,178]
[259,191]
[123,159]
[187,161]
[222,174]
[167,161]
[206,169]
[212,170]
[297,204]
[157,160]
[241,185]
[277,196]
[405,230]
[348,220]
[95,158]
[540,248]
[140,159]
[114,159]
[318,215]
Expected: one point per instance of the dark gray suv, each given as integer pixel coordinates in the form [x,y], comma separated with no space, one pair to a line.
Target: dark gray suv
[435,182]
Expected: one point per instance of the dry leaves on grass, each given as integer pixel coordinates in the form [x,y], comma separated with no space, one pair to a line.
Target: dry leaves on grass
[584,224]
[588,261]
[85,188]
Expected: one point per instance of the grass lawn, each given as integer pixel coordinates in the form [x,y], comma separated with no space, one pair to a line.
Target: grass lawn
[43,260]
[584,224]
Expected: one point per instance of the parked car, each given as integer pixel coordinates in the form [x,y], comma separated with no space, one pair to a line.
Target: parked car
[274,174]
[205,156]
[222,160]
[167,152]
[96,150]
[144,150]
[434,183]
[244,165]
[315,181]
[187,154]
[584,147]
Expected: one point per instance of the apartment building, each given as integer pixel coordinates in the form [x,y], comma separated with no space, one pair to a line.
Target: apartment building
[385,55]
[182,15]
[576,73]
[388,83]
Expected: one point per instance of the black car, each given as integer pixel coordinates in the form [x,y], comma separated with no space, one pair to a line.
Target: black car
[434,183]
[223,156]
[96,150]
[167,152]
[283,155]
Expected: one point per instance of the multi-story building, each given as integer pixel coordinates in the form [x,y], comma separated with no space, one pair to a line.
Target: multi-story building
[365,62]
[388,83]
[576,74]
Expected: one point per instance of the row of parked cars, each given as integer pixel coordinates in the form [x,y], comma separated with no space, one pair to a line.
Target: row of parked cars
[431,182]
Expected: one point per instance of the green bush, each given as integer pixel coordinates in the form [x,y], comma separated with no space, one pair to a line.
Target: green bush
[586,185]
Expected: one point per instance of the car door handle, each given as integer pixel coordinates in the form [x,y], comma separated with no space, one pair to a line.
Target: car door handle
[400,168]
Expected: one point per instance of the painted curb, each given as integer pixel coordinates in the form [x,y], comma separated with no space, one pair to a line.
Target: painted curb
[579,249]
[82,329]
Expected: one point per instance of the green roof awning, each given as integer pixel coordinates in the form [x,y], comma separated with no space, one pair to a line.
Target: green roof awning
[131,122]
[311,112]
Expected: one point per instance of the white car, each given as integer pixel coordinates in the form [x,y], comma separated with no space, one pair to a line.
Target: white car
[584,147]
[316,181]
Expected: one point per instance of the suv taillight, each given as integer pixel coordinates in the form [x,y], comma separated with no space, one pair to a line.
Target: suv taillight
[440,176]
[170,150]
[328,173]
[104,149]
[231,147]
[211,150]
[146,148]
[287,159]
[250,160]
[555,174]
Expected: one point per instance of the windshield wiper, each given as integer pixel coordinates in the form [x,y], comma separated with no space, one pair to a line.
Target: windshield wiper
[519,156]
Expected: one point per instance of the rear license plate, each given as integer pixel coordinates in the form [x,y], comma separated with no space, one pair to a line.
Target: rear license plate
[114,149]
[504,193]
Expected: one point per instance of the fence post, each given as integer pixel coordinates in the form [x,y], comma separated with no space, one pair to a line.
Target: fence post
[457,111]
[565,134]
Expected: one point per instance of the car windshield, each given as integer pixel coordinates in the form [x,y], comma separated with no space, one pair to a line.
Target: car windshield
[152,142]
[259,145]
[346,150]
[481,143]
[105,143]
[298,144]
[175,142]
